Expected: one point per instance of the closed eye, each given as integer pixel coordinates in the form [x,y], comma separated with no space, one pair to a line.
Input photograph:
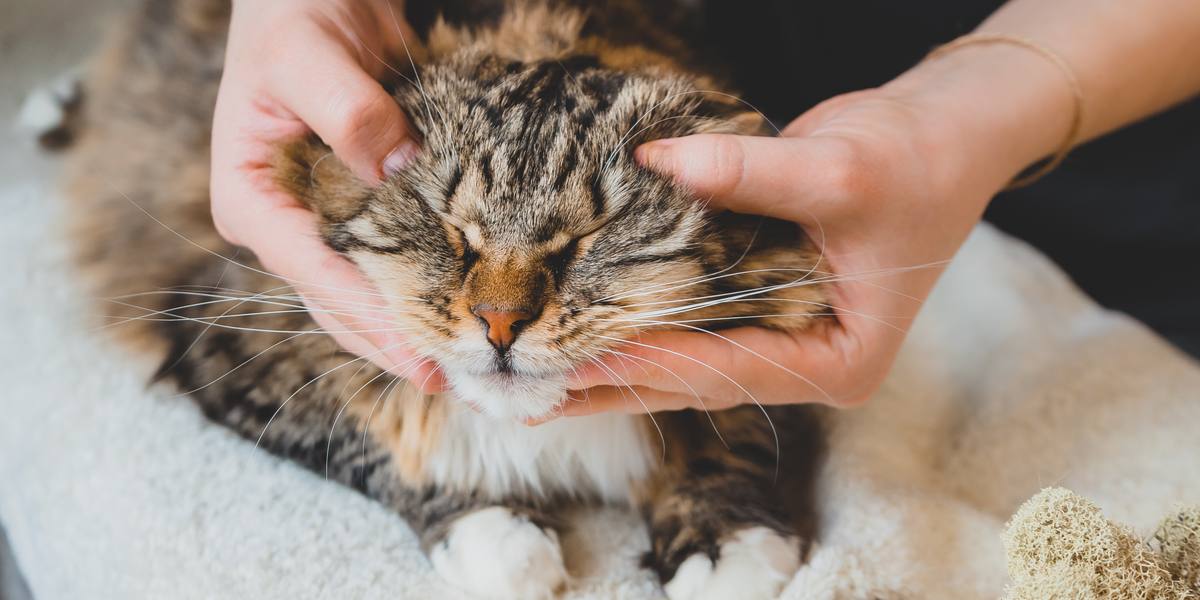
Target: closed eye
[557,262]
[467,253]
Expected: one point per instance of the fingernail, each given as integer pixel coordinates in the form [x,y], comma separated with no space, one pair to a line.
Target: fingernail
[535,421]
[400,157]
[652,152]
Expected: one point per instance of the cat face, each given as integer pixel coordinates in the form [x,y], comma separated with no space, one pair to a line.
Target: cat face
[524,240]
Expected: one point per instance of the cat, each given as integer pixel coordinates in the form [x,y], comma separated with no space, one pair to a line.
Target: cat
[524,200]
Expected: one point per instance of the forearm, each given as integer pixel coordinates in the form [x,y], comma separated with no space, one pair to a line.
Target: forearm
[1132,59]
[998,107]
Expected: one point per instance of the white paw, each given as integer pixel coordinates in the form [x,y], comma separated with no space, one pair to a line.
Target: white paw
[754,564]
[45,108]
[493,553]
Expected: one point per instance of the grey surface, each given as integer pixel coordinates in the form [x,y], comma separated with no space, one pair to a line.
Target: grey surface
[39,39]
[12,585]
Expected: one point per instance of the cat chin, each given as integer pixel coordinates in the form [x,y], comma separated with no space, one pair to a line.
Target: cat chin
[508,396]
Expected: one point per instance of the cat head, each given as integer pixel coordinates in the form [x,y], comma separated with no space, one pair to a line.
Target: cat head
[524,240]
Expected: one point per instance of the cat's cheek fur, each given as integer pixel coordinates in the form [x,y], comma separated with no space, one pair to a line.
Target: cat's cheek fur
[494,553]
[754,564]
[512,397]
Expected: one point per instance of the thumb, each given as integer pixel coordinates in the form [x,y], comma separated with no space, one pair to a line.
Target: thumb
[352,113]
[772,176]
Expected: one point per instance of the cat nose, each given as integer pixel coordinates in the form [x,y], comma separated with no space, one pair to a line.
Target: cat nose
[503,326]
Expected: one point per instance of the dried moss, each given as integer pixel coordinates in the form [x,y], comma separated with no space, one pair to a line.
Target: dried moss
[1060,546]
[1178,543]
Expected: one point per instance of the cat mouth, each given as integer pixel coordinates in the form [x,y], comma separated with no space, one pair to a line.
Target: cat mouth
[511,394]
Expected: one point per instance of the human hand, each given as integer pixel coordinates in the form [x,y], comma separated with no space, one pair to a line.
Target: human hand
[889,182]
[293,66]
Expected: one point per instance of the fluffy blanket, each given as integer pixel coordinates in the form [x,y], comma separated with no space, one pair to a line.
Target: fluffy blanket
[1011,381]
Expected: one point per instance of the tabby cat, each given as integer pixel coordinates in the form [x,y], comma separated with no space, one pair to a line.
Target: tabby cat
[525,200]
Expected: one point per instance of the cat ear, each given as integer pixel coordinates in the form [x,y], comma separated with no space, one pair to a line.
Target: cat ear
[309,171]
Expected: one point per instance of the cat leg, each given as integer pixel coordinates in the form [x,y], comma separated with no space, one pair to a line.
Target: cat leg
[717,518]
[355,426]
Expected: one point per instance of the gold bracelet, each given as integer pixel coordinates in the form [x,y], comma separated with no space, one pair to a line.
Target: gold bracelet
[1057,157]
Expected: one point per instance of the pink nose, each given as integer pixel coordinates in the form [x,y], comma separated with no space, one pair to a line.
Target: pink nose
[503,326]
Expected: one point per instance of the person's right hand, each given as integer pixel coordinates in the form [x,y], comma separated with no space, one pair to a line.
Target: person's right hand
[294,66]
[889,183]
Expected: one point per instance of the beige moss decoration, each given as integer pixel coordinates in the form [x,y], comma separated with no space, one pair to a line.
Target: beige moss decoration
[1178,542]
[1060,547]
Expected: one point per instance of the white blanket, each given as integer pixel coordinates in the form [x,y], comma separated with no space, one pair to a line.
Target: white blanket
[1012,380]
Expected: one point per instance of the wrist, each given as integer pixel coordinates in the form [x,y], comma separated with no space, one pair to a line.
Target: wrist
[988,110]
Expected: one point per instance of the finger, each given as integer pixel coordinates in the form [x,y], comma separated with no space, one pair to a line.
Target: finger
[759,175]
[350,111]
[743,365]
[628,400]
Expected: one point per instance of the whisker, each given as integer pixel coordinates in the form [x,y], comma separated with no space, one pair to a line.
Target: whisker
[699,399]
[621,390]
[836,311]
[241,265]
[703,277]
[758,355]
[741,295]
[337,417]
[258,442]
[715,277]
[205,330]
[761,408]
[246,362]
[416,72]
[384,396]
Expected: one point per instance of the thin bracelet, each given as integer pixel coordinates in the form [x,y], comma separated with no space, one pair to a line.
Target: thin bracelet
[1076,92]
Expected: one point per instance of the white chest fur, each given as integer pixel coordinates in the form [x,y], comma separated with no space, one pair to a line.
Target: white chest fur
[599,454]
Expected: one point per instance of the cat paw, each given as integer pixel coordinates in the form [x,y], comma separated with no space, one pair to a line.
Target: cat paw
[494,553]
[753,564]
[46,114]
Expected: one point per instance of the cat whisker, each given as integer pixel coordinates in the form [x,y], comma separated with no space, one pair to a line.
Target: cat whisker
[206,328]
[715,277]
[756,354]
[699,399]
[294,298]
[405,367]
[835,311]
[640,322]
[741,295]
[649,413]
[420,85]
[283,331]
[245,362]
[715,299]
[249,268]
[385,395]
[704,277]
[282,405]
[761,408]
[171,314]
